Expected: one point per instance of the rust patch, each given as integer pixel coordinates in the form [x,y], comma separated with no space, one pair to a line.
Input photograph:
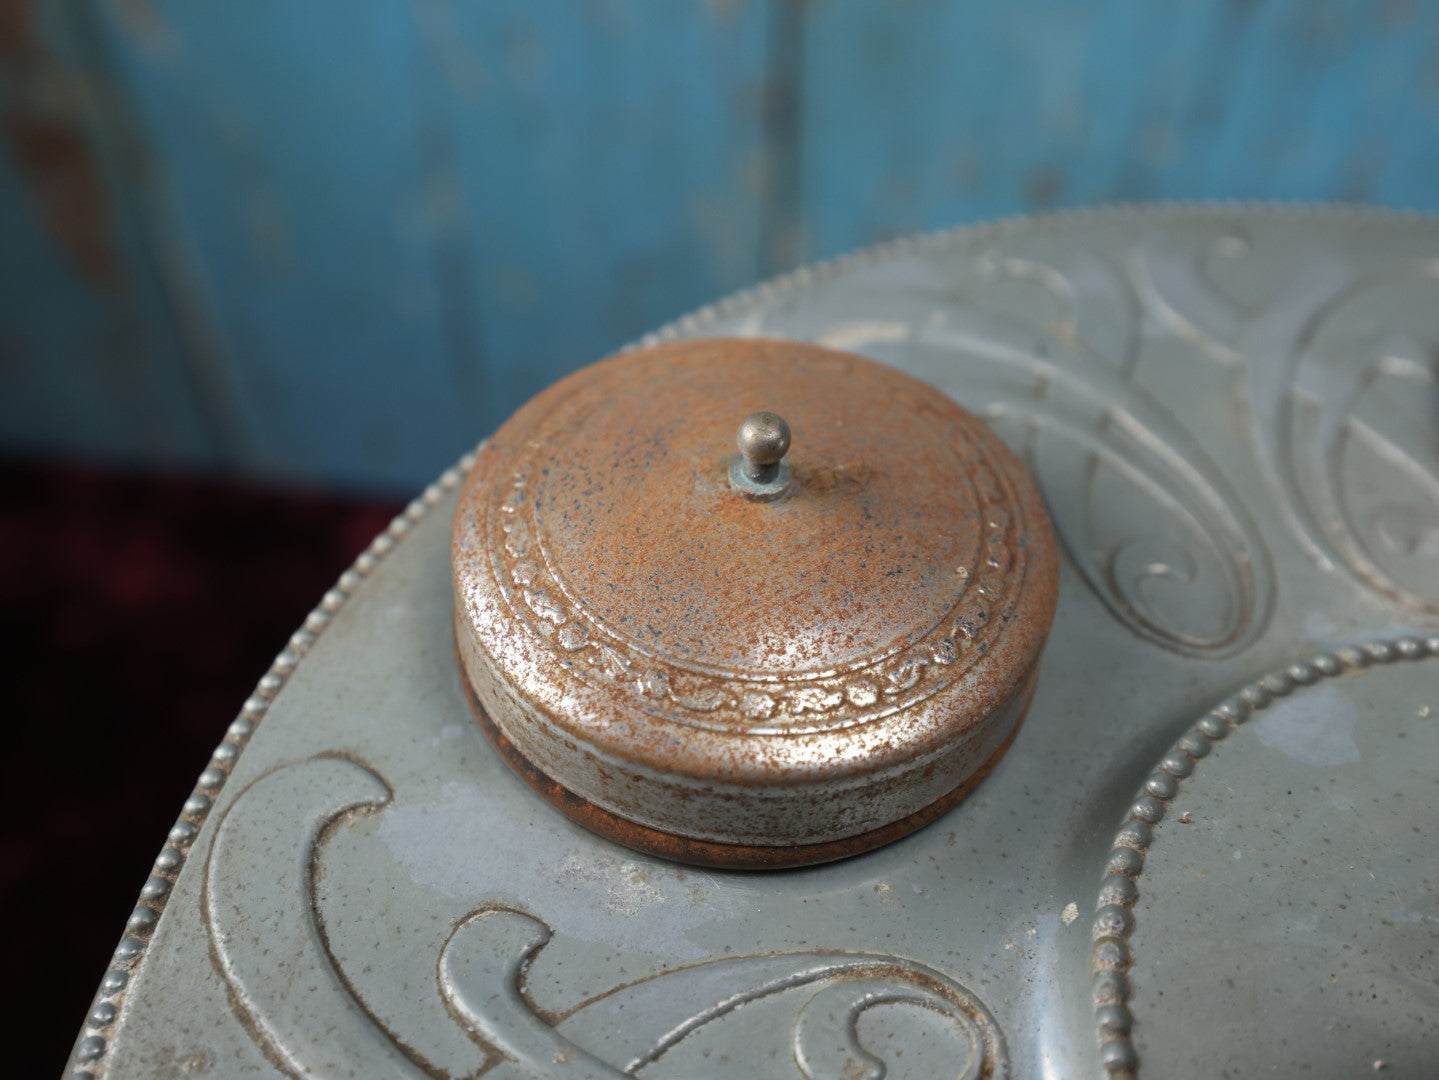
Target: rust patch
[1043,187]
[42,122]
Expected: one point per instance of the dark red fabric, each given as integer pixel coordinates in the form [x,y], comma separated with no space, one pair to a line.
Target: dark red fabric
[136,613]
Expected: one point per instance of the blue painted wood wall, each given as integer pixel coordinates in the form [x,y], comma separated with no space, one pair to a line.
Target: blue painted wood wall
[341,240]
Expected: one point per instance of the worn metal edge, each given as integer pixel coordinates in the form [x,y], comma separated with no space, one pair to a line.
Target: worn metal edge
[694,851]
[87,1057]
[1110,956]
[994,228]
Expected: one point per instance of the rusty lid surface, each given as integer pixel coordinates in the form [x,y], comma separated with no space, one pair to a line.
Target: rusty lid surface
[770,655]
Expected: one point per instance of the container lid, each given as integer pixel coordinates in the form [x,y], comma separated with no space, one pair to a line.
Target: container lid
[750,602]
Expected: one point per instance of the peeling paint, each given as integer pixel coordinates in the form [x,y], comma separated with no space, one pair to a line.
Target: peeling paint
[43,125]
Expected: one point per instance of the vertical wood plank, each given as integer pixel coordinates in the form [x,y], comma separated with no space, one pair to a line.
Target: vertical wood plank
[611,163]
[292,228]
[935,113]
[89,363]
[343,240]
[399,220]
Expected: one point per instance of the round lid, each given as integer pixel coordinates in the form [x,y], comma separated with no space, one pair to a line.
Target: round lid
[750,602]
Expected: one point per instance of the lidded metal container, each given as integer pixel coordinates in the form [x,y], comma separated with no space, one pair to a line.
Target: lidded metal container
[765,649]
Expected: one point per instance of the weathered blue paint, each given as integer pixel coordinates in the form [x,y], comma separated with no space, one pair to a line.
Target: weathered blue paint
[90,361]
[350,237]
[396,221]
[964,111]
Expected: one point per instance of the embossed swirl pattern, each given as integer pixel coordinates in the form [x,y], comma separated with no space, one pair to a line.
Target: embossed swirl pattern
[273,951]
[91,1050]
[1329,385]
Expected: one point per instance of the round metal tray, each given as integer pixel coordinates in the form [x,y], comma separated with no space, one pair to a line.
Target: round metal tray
[1207,853]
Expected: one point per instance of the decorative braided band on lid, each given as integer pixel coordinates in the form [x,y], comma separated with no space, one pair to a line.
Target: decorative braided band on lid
[771,657]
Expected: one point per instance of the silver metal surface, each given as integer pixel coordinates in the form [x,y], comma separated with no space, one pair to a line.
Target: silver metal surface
[763,440]
[1208,853]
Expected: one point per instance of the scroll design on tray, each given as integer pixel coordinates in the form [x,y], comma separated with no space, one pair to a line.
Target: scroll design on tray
[1052,355]
[1340,394]
[1333,430]
[1336,395]
[265,928]
[269,940]
[482,972]
[1143,510]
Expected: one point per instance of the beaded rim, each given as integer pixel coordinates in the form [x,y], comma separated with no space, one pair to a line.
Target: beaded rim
[91,1047]
[992,228]
[1111,956]
[92,1044]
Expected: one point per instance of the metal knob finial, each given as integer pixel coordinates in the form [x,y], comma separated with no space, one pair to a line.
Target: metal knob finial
[763,441]
[759,470]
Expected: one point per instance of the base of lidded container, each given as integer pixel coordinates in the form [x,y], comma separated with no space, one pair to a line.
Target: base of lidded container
[700,852]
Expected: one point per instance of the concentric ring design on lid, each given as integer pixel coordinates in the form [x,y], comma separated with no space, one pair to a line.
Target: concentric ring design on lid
[783,672]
